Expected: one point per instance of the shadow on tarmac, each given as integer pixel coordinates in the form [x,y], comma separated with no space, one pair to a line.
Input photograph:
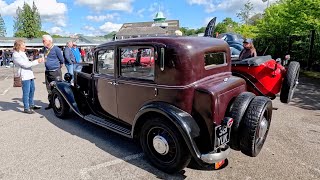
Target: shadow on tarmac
[110,142]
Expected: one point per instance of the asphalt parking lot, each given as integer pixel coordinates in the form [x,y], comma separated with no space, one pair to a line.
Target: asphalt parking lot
[41,146]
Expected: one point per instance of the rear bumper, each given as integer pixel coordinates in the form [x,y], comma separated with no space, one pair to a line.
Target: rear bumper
[214,157]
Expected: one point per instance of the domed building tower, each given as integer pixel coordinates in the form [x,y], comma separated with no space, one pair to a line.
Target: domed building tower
[159,27]
[160,20]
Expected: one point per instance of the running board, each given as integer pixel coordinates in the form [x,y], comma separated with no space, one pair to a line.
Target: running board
[108,124]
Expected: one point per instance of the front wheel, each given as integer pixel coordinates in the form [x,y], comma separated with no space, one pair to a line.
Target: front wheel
[60,107]
[290,82]
[164,146]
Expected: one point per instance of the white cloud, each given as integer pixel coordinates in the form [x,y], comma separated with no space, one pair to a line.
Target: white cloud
[154,8]
[121,5]
[50,10]
[229,5]
[55,30]
[102,17]
[109,27]
[140,12]
[88,28]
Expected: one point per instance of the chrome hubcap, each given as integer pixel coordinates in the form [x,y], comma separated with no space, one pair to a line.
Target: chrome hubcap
[57,103]
[263,128]
[161,145]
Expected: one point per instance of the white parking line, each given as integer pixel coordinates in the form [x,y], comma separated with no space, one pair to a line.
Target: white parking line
[5,91]
[84,173]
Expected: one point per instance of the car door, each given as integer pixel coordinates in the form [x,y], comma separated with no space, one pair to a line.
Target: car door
[136,79]
[104,81]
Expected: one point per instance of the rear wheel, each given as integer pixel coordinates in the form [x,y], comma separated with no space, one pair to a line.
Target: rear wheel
[164,146]
[237,111]
[256,124]
[59,105]
[290,82]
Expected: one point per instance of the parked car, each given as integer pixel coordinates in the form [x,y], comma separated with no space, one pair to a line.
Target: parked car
[185,104]
[234,53]
[268,77]
[264,75]
[234,40]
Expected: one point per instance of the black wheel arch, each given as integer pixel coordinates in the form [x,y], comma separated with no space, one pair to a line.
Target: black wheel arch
[182,120]
[66,91]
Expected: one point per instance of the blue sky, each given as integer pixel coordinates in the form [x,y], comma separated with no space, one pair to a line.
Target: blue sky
[99,17]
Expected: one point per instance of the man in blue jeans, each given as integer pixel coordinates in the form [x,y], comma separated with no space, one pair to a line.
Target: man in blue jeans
[69,58]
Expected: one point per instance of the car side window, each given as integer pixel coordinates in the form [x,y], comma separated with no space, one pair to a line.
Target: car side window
[137,62]
[106,62]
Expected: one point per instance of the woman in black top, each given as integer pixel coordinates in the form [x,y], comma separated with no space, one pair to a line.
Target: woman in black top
[248,51]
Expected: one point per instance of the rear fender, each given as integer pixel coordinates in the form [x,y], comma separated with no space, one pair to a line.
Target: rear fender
[182,120]
[65,89]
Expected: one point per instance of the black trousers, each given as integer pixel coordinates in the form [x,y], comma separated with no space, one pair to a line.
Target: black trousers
[52,76]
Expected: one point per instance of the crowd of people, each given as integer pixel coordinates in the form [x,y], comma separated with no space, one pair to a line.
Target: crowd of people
[54,59]
[5,57]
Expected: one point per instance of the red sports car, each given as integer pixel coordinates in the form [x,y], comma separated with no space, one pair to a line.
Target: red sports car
[268,77]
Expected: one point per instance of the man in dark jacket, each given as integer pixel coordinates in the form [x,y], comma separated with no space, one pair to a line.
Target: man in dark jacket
[53,62]
[69,58]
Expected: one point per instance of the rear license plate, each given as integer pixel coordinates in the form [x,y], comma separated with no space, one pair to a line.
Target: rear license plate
[222,136]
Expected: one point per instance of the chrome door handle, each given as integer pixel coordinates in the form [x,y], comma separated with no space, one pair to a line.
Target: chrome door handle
[113,83]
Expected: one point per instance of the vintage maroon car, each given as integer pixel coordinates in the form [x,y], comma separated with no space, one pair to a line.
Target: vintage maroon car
[268,77]
[184,105]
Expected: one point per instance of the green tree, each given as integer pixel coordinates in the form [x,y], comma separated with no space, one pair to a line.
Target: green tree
[27,22]
[110,35]
[36,18]
[227,25]
[41,33]
[254,20]
[56,36]
[3,31]
[244,13]
[200,30]
[247,31]
[290,17]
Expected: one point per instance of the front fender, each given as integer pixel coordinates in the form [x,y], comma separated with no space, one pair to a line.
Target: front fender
[185,123]
[65,89]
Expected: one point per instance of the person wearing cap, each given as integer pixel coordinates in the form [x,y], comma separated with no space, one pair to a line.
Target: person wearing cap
[248,51]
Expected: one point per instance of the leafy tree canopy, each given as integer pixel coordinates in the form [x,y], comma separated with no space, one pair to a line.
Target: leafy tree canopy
[27,22]
[290,17]
[227,25]
[3,31]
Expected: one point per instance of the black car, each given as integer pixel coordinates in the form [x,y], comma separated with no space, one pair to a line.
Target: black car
[234,40]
